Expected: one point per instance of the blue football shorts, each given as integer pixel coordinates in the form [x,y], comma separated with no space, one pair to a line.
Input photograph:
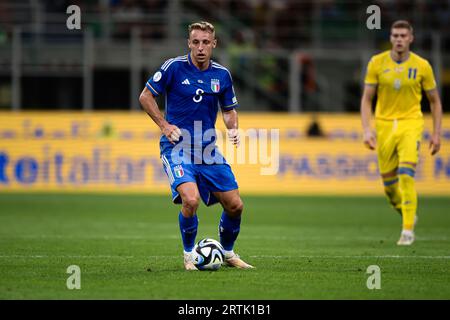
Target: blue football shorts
[208,177]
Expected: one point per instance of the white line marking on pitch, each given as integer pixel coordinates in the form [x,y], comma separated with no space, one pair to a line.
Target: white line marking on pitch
[64,257]
[357,257]
[177,236]
[257,257]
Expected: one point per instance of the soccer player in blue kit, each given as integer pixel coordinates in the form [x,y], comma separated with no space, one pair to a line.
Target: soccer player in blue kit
[195,88]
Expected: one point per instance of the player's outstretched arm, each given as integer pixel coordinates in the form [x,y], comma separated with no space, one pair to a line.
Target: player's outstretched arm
[436,111]
[148,103]
[230,118]
[366,115]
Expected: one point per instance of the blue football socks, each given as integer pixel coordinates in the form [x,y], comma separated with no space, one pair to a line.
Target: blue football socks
[228,231]
[188,228]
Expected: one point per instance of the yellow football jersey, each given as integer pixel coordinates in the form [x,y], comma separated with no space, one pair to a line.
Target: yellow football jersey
[399,85]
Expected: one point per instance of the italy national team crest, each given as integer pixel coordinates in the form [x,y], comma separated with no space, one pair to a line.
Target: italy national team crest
[178,170]
[215,85]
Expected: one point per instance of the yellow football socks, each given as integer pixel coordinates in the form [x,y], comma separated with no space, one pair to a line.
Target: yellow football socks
[409,197]
[392,191]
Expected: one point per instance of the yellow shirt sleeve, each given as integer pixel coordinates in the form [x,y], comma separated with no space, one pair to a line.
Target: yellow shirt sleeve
[428,81]
[371,73]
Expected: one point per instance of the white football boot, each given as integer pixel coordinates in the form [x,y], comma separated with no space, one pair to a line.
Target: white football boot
[233,260]
[189,261]
[406,238]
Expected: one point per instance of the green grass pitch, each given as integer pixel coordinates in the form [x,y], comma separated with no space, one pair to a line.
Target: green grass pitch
[129,247]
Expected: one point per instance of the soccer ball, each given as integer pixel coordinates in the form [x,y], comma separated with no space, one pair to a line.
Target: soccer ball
[208,254]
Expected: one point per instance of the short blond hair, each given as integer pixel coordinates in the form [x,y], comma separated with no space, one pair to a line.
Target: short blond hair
[202,25]
[402,24]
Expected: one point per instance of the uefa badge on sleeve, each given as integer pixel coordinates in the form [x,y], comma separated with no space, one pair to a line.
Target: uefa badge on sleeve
[157,76]
[215,85]
[178,170]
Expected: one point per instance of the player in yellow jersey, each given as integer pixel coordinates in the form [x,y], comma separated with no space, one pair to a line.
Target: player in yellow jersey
[398,77]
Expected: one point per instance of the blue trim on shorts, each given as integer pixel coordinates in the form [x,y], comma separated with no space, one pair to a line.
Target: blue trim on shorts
[408,171]
[389,183]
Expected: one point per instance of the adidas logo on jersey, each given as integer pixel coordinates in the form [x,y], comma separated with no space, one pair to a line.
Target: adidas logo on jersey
[186,81]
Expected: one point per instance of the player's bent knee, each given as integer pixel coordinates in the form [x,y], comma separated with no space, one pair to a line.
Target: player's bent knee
[191,204]
[235,208]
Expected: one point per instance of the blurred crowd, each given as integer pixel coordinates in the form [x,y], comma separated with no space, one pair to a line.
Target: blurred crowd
[272,24]
[129,6]
[244,27]
[280,23]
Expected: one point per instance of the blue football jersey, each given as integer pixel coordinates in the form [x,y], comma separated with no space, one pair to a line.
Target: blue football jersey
[193,95]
